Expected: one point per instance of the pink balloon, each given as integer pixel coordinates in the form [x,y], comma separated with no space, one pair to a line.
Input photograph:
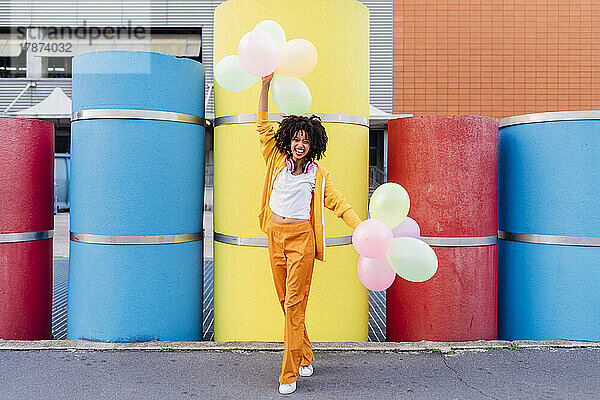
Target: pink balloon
[258,53]
[372,238]
[375,273]
[407,228]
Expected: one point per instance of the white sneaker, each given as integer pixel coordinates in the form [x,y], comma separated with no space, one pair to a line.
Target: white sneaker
[287,388]
[306,370]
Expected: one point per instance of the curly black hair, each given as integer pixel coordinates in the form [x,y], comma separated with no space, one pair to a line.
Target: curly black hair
[314,130]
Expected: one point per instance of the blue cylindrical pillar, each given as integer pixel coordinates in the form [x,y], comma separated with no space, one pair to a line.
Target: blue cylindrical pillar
[549,226]
[137,180]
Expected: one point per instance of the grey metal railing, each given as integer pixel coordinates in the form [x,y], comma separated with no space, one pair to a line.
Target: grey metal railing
[62,181]
[208,175]
[376,178]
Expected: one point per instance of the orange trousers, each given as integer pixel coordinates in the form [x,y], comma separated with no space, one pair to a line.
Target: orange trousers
[292,254]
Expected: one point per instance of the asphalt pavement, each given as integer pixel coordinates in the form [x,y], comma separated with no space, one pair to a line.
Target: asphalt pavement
[547,373]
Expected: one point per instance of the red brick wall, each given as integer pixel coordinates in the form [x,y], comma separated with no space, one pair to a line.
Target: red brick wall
[496,58]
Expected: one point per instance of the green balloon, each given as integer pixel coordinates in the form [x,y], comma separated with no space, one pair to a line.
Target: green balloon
[412,259]
[290,95]
[230,74]
[274,30]
[389,203]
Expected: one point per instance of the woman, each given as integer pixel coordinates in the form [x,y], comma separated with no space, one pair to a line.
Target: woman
[295,190]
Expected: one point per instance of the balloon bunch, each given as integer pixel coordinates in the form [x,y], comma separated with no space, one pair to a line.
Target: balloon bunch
[389,242]
[264,50]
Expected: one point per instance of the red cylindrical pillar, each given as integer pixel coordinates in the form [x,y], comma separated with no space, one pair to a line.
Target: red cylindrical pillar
[26,228]
[449,166]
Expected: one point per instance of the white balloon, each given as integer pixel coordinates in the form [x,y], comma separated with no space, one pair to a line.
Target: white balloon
[274,30]
[258,53]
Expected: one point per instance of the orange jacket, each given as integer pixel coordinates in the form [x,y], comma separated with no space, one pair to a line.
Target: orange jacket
[325,193]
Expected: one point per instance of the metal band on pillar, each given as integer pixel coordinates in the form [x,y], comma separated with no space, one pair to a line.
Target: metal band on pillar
[549,117]
[136,240]
[264,242]
[118,113]
[25,236]
[471,241]
[275,117]
[550,239]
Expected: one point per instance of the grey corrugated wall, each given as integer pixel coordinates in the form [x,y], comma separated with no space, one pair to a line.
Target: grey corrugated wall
[381,52]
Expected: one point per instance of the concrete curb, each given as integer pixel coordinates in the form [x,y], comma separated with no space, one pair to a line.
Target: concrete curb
[444,347]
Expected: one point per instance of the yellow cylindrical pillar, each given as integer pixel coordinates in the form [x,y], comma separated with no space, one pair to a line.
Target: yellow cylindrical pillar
[245,301]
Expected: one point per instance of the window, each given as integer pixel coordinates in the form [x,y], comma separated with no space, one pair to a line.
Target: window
[14,67]
[376,147]
[57,67]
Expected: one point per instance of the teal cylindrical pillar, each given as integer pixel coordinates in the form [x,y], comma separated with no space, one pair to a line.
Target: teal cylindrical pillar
[549,226]
[137,180]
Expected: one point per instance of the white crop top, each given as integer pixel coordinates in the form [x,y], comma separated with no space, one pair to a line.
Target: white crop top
[291,194]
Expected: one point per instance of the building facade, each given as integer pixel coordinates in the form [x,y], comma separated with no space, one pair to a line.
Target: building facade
[180,28]
[177,26]
[496,58]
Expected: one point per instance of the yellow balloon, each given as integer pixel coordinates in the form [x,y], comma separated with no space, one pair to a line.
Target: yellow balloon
[389,203]
[297,58]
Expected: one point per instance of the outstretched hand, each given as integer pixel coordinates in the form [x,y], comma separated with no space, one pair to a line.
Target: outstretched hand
[266,80]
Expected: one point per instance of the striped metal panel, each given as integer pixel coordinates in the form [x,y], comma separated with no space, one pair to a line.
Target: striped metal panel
[11,87]
[377,316]
[207,52]
[97,13]
[60,285]
[168,13]
[381,52]
[208,323]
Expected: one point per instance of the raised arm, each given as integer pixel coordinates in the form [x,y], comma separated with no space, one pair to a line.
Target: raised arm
[263,127]
[263,102]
